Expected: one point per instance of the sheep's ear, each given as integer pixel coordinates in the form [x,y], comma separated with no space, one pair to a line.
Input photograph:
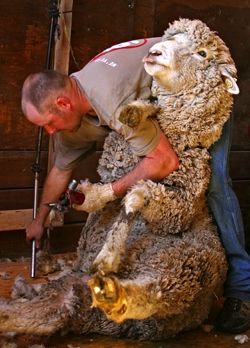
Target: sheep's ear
[230,82]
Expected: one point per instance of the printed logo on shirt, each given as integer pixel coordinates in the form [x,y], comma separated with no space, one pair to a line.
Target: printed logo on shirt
[124,45]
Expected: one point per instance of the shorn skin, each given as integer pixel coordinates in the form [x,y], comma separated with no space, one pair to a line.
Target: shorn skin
[152,264]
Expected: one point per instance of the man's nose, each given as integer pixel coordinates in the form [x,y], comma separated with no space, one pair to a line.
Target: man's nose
[50,129]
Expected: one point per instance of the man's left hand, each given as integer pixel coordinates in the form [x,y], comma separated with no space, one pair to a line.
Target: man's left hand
[96,196]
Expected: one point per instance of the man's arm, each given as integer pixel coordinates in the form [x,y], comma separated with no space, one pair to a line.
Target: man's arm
[56,182]
[156,165]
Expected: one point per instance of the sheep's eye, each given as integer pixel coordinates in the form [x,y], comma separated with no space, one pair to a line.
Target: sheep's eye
[202,53]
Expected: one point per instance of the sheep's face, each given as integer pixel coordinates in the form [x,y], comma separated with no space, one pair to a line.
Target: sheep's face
[166,62]
[189,55]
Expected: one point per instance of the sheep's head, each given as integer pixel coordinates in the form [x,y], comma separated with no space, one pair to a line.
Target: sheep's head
[190,54]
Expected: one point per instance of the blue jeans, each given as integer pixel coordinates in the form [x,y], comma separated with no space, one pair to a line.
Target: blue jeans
[225,209]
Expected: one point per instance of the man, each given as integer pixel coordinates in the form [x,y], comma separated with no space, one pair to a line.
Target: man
[223,203]
[79,108]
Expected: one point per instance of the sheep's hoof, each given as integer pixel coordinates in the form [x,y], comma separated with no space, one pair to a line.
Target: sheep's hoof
[131,115]
[109,296]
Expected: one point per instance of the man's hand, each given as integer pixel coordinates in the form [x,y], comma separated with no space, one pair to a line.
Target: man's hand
[35,231]
[96,196]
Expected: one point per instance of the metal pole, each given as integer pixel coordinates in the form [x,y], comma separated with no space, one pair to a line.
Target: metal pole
[54,14]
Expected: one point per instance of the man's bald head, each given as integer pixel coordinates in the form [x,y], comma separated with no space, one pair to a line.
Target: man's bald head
[39,88]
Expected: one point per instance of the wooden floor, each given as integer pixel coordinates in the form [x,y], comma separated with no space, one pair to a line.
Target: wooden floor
[195,339]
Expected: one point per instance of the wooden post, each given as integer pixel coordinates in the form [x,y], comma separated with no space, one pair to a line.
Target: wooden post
[62,45]
[19,219]
[62,53]
[61,64]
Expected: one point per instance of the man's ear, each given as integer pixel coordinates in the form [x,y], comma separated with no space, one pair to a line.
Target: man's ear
[63,102]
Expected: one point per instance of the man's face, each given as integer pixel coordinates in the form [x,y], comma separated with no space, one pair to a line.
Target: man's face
[54,121]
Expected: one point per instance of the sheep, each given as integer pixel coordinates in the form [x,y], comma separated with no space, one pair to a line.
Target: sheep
[150,266]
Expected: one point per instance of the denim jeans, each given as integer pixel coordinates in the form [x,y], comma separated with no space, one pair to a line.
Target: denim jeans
[225,209]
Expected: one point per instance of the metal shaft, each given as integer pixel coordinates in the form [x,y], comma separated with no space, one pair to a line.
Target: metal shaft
[54,14]
[36,169]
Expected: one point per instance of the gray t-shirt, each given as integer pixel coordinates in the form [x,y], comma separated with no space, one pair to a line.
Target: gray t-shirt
[112,78]
[71,147]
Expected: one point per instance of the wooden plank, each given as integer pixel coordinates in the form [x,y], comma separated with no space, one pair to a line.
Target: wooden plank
[15,219]
[242,190]
[63,37]
[17,198]
[102,28]
[19,219]
[239,165]
[197,4]
[23,199]
[19,57]
[62,239]
[16,168]
[144,12]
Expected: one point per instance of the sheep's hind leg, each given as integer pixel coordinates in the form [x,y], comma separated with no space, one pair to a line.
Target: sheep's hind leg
[109,258]
[125,299]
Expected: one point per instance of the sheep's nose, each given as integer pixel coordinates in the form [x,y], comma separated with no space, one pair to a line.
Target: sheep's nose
[155,53]
[151,56]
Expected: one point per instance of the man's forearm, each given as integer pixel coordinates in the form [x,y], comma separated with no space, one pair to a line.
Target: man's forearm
[56,182]
[156,165]
[140,172]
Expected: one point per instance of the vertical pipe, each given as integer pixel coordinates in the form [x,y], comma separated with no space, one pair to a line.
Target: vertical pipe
[54,14]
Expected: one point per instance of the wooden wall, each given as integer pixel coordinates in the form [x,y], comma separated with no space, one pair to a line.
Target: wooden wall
[98,24]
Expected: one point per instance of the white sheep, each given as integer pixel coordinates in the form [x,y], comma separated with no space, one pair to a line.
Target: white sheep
[194,79]
[162,262]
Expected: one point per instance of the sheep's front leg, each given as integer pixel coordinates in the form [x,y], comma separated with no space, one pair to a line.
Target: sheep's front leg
[134,113]
[109,258]
[171,205]
[137,197]
[125,299]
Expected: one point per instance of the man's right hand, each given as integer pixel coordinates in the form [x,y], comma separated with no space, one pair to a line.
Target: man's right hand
[56,182]
[35,231]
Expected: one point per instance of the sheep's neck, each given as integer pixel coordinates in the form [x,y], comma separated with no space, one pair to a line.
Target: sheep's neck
[194,118]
